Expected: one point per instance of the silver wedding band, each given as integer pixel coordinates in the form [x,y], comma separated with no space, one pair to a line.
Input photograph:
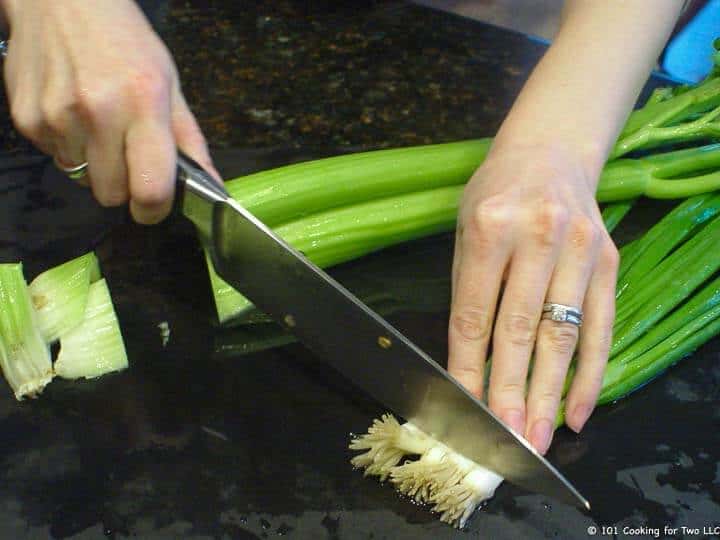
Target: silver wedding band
[75,172]
[4,47]
[562,313]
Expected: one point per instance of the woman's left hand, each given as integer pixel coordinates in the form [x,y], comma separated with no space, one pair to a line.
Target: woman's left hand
[529,220]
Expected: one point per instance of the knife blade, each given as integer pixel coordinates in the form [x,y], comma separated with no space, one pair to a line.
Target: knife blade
[357,342]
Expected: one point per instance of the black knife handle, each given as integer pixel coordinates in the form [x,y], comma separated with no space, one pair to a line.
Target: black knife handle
[190,170]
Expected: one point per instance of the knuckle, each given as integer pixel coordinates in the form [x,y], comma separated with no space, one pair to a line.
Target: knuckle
[55,114]
[583,232]
[95,105]
[547,399]
[548,222]
[491,218]
[148,87]
[561,338]
[471,323]
[610,256]
[504,393]
[471,370]
[520,329]
[26,122]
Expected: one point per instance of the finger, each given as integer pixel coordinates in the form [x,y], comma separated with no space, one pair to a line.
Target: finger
[188,135]
[23,88]
[59,106]
[596,339]
[483,256]
[516,326]
[151,160]
[556,341]
[105,151]
[457,259]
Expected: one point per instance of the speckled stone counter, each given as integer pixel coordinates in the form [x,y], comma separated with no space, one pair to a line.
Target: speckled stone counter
[337,74]
[217,434]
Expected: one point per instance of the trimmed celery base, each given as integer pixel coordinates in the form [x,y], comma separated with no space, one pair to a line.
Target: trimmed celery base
[24,356]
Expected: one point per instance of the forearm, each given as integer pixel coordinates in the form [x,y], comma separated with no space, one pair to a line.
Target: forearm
[580,93]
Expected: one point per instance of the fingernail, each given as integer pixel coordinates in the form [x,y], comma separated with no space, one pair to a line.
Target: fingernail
[579,416]
[541,435]
[515,419]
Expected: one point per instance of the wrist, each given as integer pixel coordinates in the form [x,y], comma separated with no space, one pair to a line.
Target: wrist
[586,147]
[555,152]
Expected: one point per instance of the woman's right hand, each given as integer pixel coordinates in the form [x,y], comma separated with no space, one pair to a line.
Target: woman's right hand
[92,82]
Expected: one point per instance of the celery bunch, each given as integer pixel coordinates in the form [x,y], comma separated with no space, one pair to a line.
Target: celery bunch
[358,203]
[668,300]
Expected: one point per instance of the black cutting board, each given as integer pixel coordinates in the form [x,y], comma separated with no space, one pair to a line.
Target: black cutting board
[189,443]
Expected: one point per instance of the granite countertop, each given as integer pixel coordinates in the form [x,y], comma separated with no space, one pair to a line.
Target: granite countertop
[198,441]
[360,74]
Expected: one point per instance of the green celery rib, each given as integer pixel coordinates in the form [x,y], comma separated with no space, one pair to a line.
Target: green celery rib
[667,343]
[701,303]
[95,347]
[337,235]
[677,163]
[675,277]
[614,213]
[640,371]
[59,295]
[664,236]
[288,193]
[343,234]
[702,98]
[705,127]
[671,344]
[24,355]
[670,175]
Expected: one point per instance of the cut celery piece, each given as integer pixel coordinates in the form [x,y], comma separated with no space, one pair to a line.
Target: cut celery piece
[95,347]
[59,295]
[24,355]
[228,302]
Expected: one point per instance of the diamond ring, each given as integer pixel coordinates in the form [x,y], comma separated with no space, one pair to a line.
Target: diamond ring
[562,313]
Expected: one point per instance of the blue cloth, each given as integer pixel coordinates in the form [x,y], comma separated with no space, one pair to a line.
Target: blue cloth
[688,56]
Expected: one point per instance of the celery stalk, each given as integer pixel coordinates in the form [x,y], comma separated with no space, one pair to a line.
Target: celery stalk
[344,234]
[291,192]
[24,355]
[59,295]
[673,278]
[96,346]
[664,236]
[614,213]
[622,379]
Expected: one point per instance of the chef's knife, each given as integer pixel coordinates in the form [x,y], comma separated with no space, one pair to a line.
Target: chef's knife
[353,339]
